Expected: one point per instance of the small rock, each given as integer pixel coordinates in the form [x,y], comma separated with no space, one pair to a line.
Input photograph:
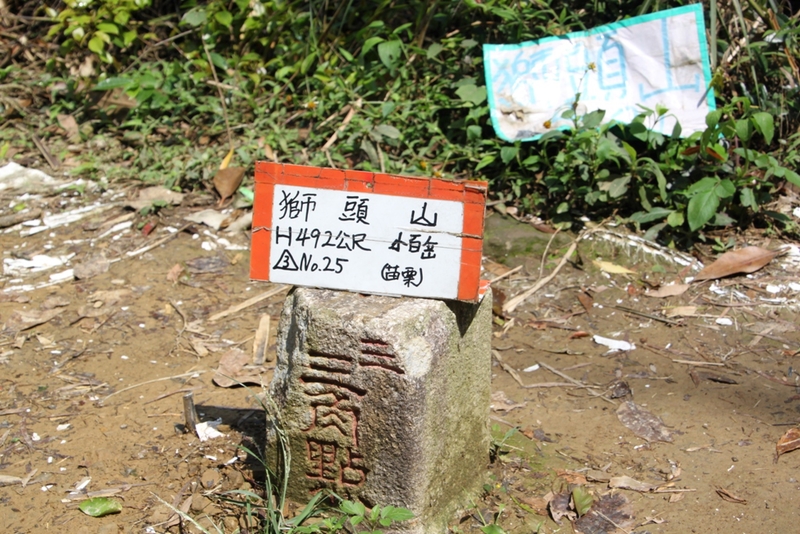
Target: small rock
[200,502]
[234,479]
[211,478]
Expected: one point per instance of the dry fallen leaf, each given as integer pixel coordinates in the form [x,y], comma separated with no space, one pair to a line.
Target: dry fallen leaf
[537,504]
[67,122]
[175,273]
[559,507]
[730,497]
[680,311]
[672,290]
[91,267]
[609,514]
[788,442]
[626,482]
[24,319]
[608,267]
[571,476]
[676,497]
[643,423]
[586,301]
[153,194]
[227,181]
[232,370]
[501,402]
[746,260]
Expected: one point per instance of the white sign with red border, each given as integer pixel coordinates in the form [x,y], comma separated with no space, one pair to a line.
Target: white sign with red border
[367,232]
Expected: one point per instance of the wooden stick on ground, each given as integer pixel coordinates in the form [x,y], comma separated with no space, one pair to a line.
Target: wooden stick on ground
[190,413]
[154,244]
[510,370]
[347,118]
[506,274]
[183,375]
[249,302]
[512,303]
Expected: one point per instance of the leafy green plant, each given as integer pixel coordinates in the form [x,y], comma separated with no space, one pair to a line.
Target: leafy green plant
[499,447]
[582,500]
[398,87]
[99,25]
[489,525]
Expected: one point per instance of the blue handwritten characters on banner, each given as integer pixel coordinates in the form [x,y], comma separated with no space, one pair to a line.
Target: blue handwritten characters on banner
[611,67]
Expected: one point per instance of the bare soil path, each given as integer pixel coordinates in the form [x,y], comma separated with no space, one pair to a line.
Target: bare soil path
[93,371]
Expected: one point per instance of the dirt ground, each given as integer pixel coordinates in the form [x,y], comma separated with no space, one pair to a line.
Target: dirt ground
[93,373]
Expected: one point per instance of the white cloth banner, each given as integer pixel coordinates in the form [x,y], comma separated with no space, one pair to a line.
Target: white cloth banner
[660,58]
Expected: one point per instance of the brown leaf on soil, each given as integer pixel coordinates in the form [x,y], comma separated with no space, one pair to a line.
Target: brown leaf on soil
[498,299]
[746,260]
[620,389]
[70,126]
[232,370]
[788,442]
[730,497]
[91,267]
[559,507]
[643,423]
[55,301]
[157,193]
[501,403]
[610,512]
[571,476]
[175,273]
[676,497]
[24,319]
[579,334]
[626,482]
[680,311]
[228,180]
[110,297]
[537,504]
[586,301]
[672,290]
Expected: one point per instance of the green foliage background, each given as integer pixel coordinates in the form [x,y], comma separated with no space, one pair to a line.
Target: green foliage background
[409,75]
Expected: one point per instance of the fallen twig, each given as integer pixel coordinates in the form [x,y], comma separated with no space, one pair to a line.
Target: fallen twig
[643,314]
[505,274]
[154,244]
[249,302]
[576,383]
[17,218]
[350,114]
[171,393]
[551,385]
[700,364]
[512,303]
[221,96]
[510,370]
[184,375]
[601,514]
